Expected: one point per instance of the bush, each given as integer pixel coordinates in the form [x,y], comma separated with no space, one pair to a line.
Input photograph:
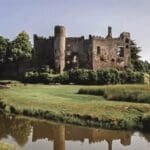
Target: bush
[110,76]
[92,77]
[30,77]
[100,92]
[79,76]
[44,78]
[146,121]
[45,69]
[83,76]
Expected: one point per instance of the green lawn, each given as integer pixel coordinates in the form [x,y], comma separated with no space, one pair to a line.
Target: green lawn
[64,98]
[4,146]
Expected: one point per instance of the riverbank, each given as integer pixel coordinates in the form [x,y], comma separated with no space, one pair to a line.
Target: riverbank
[4,146]
[62,103]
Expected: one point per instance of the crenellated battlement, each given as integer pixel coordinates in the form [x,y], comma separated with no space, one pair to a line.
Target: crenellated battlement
[61,52]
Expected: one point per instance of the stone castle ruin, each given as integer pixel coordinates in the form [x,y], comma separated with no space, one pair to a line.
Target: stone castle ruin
[62,53]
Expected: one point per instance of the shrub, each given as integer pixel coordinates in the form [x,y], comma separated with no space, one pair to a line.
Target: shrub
[62,78]
[44,78]
[79,76]
[45,69]
[92,77]
[110,76]
[83,76]
[146,121]
[92,91]
[31,77]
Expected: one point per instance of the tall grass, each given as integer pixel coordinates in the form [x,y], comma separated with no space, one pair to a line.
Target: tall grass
[129,93]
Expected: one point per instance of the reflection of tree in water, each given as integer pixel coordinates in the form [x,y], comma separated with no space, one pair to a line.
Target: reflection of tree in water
[19,129]
[3,130]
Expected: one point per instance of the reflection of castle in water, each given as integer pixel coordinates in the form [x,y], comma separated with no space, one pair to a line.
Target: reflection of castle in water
[60,134]
[20,128]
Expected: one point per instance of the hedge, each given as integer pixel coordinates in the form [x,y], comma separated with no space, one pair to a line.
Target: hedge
[84,76]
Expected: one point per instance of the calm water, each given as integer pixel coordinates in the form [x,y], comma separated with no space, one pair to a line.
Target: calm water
[27,134]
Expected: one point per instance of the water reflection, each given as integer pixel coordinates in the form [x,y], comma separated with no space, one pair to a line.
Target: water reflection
[60,133]
[20,129]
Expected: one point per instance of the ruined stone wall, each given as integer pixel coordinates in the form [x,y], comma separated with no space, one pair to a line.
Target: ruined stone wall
[43,53]
[62,53]
[76,54]
[110,53]
[12,69]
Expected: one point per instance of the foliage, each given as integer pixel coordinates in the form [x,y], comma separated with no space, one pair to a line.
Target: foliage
[79,76]
[3,47]
[31,77]
[21,46]
[138,65]
[135,50]
[62,78]
[108,76]
[45,69]
[83,76]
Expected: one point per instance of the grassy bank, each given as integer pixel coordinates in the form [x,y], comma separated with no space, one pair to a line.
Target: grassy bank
[130,93]
[62,103]
[4,146]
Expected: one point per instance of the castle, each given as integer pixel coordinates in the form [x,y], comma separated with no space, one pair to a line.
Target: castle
[62,53]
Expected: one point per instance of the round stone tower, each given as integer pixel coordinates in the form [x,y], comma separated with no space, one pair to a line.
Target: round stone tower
[59,48]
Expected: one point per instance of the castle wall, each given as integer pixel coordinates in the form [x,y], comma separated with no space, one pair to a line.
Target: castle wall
[63,53]
[43,53]
[81,49]
[109,53]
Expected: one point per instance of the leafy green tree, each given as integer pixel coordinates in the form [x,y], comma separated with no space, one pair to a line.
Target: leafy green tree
[21,48]
[3,47]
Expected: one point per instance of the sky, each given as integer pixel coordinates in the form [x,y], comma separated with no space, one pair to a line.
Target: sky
[80,17]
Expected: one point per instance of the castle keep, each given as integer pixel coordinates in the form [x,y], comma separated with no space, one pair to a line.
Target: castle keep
[62,53]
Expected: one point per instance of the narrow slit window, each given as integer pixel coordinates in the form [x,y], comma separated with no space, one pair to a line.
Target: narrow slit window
[127,41]
[127,46]
[98,50]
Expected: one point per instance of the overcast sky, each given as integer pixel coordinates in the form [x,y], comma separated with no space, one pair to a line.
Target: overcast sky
[80,17]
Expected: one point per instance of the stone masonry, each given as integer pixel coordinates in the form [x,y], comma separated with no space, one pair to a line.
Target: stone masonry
[62,53]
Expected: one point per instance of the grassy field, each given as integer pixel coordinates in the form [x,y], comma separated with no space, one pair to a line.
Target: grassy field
[129,93]
[62,101]
[4,146]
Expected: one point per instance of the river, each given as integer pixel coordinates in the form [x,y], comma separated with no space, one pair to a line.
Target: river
[32,134]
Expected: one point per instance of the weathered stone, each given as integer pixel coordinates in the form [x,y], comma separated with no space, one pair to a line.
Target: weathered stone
[63,53]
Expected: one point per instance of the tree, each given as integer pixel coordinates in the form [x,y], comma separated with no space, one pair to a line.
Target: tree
[21,48]
[138,65]
[135,58]
[135,52]
[3,47]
